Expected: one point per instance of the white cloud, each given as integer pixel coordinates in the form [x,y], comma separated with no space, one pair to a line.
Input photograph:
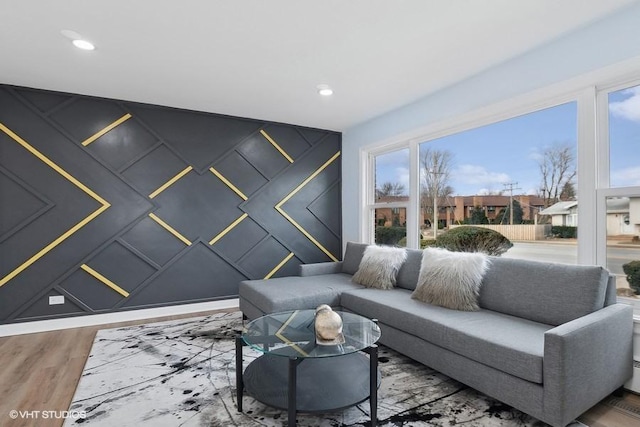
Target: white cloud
[629,108]
[535,154]
[626,177]
[394,168]
[474,174]
[402,176]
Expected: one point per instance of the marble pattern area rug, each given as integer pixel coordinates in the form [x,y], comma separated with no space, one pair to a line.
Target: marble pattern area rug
[182,373]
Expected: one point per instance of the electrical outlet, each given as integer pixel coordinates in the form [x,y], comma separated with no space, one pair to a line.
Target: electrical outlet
[56,299]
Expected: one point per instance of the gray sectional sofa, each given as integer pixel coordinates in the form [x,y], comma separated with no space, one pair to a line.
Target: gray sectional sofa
[549,339]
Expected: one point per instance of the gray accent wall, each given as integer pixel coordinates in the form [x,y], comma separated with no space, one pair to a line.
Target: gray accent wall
[116,205]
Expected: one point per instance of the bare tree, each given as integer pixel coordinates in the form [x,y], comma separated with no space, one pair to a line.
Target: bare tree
[390,189]
[557,170]
[436,173]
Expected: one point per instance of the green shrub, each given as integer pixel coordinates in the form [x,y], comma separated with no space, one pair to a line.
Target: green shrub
[474,239]
[564,231]
[390,235]
[424,243]
[632,270]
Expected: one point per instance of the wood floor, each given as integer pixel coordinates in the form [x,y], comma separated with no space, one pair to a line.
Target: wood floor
[40,372]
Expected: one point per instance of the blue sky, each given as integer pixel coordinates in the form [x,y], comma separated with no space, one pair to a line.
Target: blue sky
[624,137]
[487,158]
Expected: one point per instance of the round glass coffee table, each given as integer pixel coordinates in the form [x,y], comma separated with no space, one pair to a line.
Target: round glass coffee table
[298,374]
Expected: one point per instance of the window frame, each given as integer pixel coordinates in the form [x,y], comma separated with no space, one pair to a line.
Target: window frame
[603,189]
[371,205]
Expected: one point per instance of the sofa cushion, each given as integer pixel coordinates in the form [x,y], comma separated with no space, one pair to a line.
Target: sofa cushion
[408,275]
[293,293]
[543,292]
[379,266]
[352,256]
[451,279]
[504,342]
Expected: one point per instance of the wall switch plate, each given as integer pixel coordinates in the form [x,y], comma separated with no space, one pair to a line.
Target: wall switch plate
[56,299]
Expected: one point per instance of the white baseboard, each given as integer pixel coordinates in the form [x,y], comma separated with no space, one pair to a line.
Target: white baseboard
[121,316]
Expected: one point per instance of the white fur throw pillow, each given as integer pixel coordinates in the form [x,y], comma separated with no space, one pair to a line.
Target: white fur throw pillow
[451,279]
[379,266]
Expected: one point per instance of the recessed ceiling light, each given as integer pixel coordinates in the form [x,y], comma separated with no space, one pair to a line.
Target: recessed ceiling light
[83,44]
[325,90]
[77,40]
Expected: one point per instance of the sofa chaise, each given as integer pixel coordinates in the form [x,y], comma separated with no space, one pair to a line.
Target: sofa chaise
[547,339]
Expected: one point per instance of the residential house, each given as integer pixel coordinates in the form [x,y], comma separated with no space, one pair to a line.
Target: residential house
[563,213]
[623,217]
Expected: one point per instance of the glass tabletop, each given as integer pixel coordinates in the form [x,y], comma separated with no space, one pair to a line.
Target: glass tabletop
[292,334]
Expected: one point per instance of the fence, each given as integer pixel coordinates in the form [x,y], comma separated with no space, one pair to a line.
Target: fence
[518,232]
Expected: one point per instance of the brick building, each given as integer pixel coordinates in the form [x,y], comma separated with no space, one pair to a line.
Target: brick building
[457,209]
[493,204]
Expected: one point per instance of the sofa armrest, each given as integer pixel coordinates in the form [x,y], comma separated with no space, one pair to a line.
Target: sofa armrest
[320,268]
[585,360]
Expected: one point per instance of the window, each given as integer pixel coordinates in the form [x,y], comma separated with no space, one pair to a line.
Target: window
[389,198]
[619,198]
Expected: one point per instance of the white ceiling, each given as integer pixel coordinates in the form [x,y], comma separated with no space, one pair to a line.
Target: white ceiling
[263,59]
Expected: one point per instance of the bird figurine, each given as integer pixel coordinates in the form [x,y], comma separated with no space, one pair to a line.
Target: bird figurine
[328,325]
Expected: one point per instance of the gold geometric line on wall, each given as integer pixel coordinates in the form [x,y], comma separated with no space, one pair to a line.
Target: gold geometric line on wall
[104,280]
[106,129]
[229,184]
[279,266]
[275,144]
[229,228]
[170,229]
[290,195]
[170,182]
[104,205]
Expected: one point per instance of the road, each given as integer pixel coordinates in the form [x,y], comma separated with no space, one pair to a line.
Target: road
[568,253]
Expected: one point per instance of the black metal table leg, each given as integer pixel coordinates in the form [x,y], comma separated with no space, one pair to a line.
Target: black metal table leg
[239,381]
[373,383]
[293,373]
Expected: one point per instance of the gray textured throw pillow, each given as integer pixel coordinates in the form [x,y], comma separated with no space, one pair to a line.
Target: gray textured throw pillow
[379,266]
[451,279]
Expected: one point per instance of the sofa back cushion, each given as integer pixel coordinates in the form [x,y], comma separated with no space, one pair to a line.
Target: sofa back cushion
[543,292]
[611,296]
[352,256]
[410,270]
